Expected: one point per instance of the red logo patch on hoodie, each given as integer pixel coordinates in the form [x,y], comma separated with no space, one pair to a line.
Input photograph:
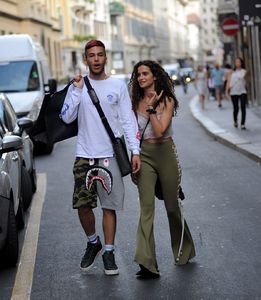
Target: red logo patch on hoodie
[138,135]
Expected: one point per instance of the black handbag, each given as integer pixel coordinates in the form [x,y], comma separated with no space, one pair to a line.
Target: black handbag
[118,143]
[159,194]
[49,127]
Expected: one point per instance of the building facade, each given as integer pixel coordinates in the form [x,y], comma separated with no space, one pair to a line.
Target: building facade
[148,30]
[246,42]
[39,19]
[138,32]
[77,23]
[171,31]
[132,30]
[195,31]
[116,11]
[211,44]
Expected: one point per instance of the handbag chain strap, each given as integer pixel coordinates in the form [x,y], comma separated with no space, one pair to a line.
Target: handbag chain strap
[96,102]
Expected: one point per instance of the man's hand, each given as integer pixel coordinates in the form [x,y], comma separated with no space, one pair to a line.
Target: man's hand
[135,163]
[78,81]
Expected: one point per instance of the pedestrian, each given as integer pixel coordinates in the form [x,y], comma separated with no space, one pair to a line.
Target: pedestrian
[236,88]
[211,90]
[94,152]
[154,102]
[217,74]
[227,72]
[201,83]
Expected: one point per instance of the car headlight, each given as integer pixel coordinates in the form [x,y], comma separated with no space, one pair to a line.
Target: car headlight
[174,77]
[188,79]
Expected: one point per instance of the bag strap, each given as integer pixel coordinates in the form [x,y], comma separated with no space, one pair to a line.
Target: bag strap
[142,135]
[96,102]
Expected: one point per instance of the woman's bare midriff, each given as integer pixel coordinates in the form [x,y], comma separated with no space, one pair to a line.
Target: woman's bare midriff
[158,140]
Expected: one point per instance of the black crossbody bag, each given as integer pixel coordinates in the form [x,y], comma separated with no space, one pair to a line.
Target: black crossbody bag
[118,143]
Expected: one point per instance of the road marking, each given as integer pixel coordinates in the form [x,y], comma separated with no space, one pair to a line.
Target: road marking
[24,276]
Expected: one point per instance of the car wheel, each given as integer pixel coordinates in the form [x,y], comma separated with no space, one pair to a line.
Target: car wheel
[10,251]
[20,215]
[26,189]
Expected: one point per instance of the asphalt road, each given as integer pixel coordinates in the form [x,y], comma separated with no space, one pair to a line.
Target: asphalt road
[222,208]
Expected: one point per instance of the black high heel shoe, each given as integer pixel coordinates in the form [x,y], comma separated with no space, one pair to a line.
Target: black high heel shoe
[144,273]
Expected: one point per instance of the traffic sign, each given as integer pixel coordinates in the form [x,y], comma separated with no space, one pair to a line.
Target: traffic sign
[230,26]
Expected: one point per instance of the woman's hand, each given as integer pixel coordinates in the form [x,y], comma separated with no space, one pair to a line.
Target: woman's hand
[227,88]
[78,81]
[153,97]
[227,96]
[135,163]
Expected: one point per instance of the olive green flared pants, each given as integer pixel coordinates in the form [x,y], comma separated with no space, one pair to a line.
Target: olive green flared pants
[160,160]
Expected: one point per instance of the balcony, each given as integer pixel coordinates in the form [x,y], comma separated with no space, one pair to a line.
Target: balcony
[82,6]
[227,7]
[184,2]
[116,8]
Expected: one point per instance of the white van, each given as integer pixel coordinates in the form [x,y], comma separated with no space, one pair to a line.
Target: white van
[24,74]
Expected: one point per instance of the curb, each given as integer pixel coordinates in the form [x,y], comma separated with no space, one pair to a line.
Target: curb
[224,136]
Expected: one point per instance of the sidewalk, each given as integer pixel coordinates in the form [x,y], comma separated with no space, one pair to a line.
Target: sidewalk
[218,122]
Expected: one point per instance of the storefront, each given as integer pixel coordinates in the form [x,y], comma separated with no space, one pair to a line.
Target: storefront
[250,21]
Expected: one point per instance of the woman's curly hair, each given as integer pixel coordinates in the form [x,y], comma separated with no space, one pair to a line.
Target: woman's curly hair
[163,83]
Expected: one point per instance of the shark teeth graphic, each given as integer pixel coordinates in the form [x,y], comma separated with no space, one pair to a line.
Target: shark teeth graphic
[99,174]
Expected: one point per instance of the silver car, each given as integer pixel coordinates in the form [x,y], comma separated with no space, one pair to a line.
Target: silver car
[11,125]
[11,205]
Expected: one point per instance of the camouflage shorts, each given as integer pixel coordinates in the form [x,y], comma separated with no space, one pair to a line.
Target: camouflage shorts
[81,196]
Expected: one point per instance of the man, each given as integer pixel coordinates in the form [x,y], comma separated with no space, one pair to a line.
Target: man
[94,150]
[217,75]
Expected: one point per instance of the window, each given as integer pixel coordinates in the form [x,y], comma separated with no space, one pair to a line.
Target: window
[3,129]
[19,76]
[7,117]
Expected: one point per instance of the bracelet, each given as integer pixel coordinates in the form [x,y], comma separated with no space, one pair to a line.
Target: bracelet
[151,111]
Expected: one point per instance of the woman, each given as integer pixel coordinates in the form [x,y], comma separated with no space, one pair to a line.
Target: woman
[236,87]
[154,101]
[201,83]
[210,84]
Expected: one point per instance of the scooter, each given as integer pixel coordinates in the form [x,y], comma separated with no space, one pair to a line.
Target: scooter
[185,81]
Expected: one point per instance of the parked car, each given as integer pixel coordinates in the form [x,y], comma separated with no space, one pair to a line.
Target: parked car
[13,126]
[25,76]
[173,71]
[11,205]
